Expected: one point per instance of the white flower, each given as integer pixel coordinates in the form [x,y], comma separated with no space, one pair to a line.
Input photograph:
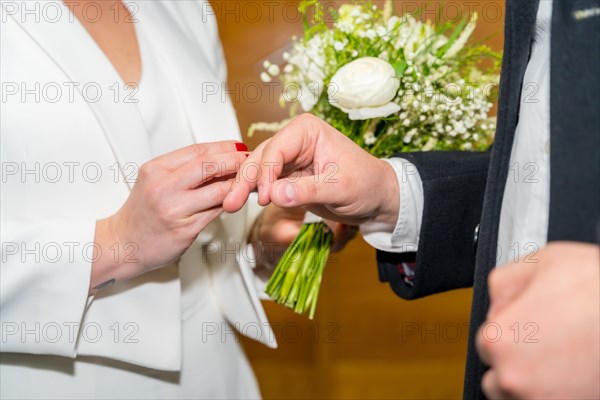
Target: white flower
[338,46]
[430,144]
[347,13]
[371,34]
[309,95]
[265,77]
[273,69]
[392,22]
[365,88]
[370,138]
[345,26]
[460,42]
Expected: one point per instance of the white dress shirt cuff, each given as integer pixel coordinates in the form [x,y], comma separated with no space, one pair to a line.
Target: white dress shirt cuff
[404,236]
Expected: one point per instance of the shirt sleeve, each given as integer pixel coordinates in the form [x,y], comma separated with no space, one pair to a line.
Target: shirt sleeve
[404,236]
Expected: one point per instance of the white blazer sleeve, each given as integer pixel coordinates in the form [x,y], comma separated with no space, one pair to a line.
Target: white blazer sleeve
[44,283]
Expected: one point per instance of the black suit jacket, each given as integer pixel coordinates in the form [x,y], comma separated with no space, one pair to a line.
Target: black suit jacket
[463,190]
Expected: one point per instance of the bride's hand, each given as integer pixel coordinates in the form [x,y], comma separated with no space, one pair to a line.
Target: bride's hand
[176,196]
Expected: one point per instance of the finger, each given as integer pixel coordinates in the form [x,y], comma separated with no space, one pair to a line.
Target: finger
[202,219]
[245,181]
[179,157]
[491,387]
[198,171]
[506,283]
[301,192]
[206,197]
[293,148]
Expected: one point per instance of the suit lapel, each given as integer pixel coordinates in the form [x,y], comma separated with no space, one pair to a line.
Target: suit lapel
[519,28]
[76,53]
[195,76]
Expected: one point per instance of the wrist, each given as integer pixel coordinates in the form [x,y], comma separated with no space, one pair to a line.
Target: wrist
[113,261]
[389,200]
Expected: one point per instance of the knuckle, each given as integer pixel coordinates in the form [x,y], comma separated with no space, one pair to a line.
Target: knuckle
[217,193]
[147,171]
[167,212]
[511,380]
[311,189]
[305,118]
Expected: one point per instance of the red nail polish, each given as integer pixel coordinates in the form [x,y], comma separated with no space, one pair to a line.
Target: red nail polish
[247,155]
[241,147]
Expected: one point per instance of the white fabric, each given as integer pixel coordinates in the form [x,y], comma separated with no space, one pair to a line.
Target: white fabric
[160,335]
[526,203]
[404,236]
[523,225]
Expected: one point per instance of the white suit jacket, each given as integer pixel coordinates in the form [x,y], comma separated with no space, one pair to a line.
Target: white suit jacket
[68,159]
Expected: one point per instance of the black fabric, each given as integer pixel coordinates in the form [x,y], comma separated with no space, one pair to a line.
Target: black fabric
[451,181]
[443,260]
[575,121]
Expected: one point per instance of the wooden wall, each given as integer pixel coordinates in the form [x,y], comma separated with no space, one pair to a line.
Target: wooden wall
[364,342]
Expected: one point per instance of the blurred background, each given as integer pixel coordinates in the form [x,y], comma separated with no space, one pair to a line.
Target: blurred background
[364,341]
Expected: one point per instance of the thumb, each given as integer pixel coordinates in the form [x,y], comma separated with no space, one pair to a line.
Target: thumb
[304,191]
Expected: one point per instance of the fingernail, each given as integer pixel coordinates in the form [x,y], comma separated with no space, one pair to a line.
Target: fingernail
[241,147]
[286,192]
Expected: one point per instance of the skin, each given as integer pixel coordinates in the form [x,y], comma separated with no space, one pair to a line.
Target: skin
[172,198]
[557,356]
[553,352]
[114,33]
[325,176]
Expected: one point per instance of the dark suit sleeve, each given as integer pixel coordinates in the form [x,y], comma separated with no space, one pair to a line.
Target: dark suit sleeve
[453,188]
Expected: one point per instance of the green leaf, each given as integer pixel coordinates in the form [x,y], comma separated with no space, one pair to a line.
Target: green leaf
[400,68]
[453,37]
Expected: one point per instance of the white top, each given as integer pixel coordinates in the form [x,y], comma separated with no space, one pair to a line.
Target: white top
[523,225]
[213,366]
[168,130]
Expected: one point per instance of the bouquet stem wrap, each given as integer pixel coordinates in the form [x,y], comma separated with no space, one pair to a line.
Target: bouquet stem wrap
[297,278]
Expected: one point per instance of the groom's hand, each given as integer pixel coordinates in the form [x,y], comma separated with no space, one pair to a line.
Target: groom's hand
[542,334]
[309,163]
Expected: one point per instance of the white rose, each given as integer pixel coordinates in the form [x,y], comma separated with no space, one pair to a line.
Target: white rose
[365,88]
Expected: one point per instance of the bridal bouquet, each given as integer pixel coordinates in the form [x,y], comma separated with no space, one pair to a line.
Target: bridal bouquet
[391,84]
